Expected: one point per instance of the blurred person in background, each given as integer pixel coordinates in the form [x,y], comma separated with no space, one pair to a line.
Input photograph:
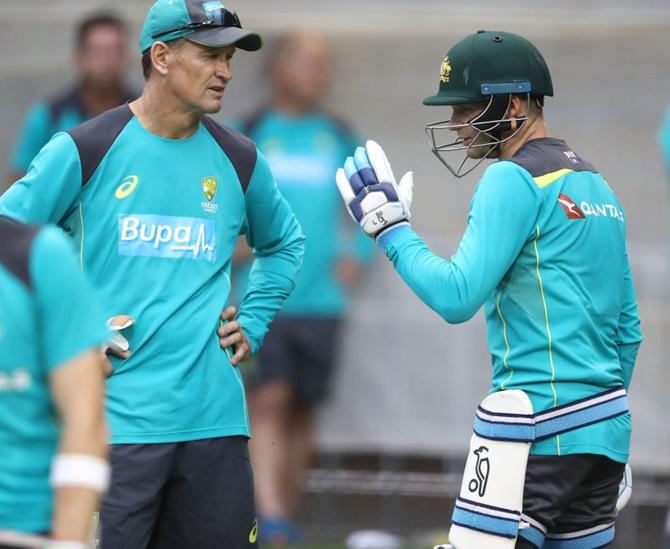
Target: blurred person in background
[303,144]
[545,251]
[53,467]
[664,142]
[100,60]
[155,194]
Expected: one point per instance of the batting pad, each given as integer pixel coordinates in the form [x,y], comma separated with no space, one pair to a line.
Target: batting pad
[487,513]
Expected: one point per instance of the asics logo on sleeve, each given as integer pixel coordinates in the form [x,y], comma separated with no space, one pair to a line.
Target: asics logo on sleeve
[127,187]
[167,236]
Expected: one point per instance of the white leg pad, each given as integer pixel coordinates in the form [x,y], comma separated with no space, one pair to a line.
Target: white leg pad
[488,510]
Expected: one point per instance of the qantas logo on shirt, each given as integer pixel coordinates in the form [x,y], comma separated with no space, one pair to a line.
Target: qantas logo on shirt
[588,209]
[570,208]
[167,236]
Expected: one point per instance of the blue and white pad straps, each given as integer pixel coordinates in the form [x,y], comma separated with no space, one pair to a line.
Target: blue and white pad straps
[532,531]
[598,536]
[486,518]
[568,417]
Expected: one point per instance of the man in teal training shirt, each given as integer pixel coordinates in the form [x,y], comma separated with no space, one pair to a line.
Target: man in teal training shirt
[52,430]
[100,59]
[304,144]
[545,253]
[155,194]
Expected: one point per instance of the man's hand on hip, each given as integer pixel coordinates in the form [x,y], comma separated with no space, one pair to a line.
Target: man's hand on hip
[231,335]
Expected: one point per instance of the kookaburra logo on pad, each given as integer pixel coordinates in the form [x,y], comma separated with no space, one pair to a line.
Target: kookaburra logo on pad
[482,470]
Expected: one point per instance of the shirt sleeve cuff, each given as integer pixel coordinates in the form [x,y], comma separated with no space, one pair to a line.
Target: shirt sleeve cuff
[395,234]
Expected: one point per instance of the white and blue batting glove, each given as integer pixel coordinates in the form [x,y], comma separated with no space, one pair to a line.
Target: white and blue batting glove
[370,192]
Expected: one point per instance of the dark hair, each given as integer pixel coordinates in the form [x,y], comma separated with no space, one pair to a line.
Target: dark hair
[86,25]
[147,65]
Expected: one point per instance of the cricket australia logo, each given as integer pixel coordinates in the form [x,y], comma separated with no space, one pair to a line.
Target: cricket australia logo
[209,186]
[445,70]
[482,470]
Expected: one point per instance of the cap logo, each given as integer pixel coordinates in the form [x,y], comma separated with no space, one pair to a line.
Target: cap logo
[445,70]
[214,11]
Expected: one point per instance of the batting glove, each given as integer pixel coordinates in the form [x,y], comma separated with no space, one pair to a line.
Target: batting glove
[118,345]
[625,489]
[370,192]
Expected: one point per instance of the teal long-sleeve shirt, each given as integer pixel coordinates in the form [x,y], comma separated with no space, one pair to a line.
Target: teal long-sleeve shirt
[155,221]
[545,252]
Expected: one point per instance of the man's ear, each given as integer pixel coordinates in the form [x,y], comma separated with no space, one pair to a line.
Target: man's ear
[518,107]
[159,57]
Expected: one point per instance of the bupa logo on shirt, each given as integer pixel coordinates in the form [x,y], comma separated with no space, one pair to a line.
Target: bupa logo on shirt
[167,236]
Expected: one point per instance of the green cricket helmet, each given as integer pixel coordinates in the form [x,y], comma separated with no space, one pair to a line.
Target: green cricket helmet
[487,68]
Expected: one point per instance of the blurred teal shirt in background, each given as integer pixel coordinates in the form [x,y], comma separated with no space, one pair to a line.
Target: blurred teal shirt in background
[664,140]
[46,118]
[46,319]
[304,153]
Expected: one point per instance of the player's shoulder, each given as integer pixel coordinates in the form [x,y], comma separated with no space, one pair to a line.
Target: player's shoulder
[15,254]
[505,171]
[101,127]
[227,136]
[240,150]
[96,136]
[548,155]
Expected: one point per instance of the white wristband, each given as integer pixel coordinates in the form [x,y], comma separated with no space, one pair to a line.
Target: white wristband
[80,470]
[62,544]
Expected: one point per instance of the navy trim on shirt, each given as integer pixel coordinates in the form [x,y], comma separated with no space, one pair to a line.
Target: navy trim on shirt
[17,240]
[95,137]
[547,154]
[238,148]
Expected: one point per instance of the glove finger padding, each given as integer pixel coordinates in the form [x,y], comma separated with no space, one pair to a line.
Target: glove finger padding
[379,162]
[406,191]
[370,192]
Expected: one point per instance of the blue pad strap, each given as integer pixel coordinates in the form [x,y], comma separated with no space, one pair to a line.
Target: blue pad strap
[486,518]
[599,536]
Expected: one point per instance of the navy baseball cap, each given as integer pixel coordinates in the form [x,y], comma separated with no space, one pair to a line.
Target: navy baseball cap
[208,23]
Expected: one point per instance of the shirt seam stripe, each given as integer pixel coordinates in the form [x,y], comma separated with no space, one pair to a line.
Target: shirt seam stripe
[81,240]
[507,351]
[548,328]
